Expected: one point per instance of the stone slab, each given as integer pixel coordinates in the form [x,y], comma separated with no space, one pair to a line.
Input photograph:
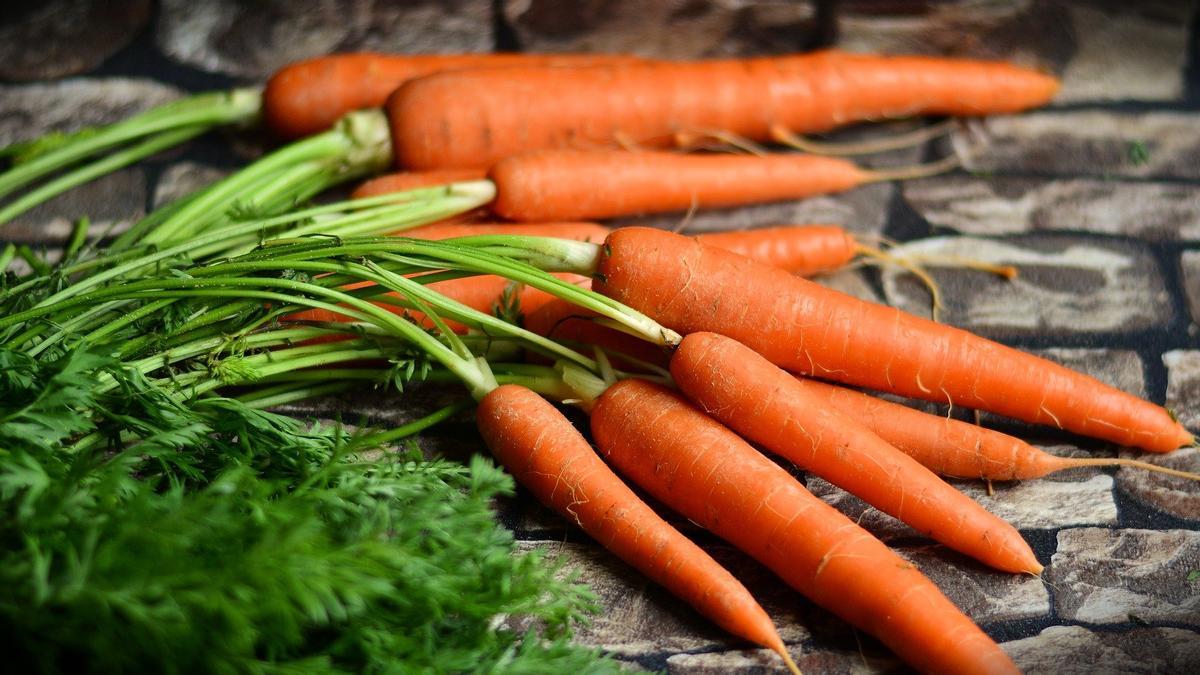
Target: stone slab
[997,205]
[660,28]
[1104,576]
[1183,386]
[1179,497]
[1075,650]
[1066,285]
[71,36]
[252,40]
[1190,265]
[1086,142]
[28,111]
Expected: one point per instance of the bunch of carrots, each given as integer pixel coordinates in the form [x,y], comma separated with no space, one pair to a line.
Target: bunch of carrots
[727,335]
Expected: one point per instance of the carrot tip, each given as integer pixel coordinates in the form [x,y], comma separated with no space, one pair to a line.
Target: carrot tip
[787,660]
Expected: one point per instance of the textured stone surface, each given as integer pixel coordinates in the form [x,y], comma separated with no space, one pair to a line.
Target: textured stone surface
[30,110]
[1190,262]
[1028,505]
[254,39]
[1066,285]
[1177,496]
[994,205]
[72,36]
[1108,50]
[1119,368]
[1090,143]
[660,28]
[762,662]
[985,596]
[184,178]
[1106,576]
[1183,386]
[1075,650]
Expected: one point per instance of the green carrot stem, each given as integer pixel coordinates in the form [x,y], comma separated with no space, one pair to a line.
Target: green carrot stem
[90,172]
[414,427]
[79,232]
[6,257]
[291,393]
[202,110]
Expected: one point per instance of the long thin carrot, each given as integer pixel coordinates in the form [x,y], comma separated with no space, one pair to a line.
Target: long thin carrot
[806,328]
[548,455]
[309,96]
[806,250]
[955,448]
[474,118]
[585,184]
[764,404]
[707,473]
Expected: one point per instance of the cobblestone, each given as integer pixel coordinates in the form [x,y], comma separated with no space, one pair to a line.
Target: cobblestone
[1104,576]
[1066,285]
[1075,650]
[72,36]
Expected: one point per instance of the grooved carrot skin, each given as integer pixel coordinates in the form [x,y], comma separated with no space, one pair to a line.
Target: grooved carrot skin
[707,473]
[411,180]
[585,184]
[803,327]
[306,97]
[477,117]
[764,404]
[946,446]
[806,250]
[549,456]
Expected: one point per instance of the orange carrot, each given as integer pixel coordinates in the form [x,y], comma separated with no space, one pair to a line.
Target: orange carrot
[583,184]
[562,320]
[806,250]
[954,448]
[578,231]
[309,96]
[548,455]
[699,468]
[411,180]
[765,405]
[474,118]
[806,328]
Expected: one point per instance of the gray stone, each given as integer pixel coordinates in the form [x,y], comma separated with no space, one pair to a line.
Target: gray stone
[1075,650]
[184,178]
[660,28]
[254,39]
[1065,285]
[862,211]
[1190,263]
[31,110]
[66,37]
[851,282]
[1183,386]
[1104,576]
[1175,495]
[1087,142]
[112,203]
[1102,50]
[1027,505]
[763,661]
[985,596]
[1003,205]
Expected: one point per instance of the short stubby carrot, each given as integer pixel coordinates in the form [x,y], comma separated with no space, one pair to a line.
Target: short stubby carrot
[308,96]
[704,471]
[805,328]
[548,455]
[585,184]
[475,118]
[806,250]
[955,448]
[766,405]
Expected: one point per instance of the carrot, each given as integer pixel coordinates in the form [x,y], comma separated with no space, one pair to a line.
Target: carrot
[806,250]
[585,184]
[699,468]
[578,231]
[309,96]
[806,328]
[954,448]
[548,455]
[474,118]
[563,320]
[765,405]
[411,180]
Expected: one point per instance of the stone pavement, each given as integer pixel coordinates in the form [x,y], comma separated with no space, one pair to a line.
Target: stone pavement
[1096,199]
